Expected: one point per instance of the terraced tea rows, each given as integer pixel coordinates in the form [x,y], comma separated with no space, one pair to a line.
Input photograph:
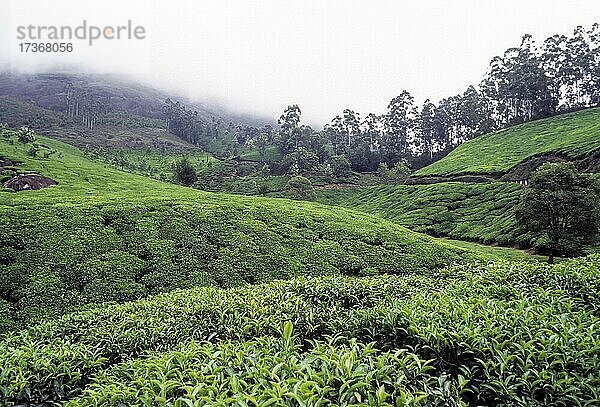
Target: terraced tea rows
[474,212]
[64,248]
[573,135]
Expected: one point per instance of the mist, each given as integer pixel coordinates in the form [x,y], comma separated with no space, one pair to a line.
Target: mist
[257,57]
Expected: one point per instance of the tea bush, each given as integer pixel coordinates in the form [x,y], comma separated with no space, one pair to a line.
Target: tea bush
[382,316]
[573,135]
[57,257]
[474,212]
[491,333]
[269,371]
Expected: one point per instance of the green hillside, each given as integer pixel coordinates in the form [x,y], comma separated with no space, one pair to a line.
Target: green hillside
[139,292]
[494,334]
[573,135]
[105,235]
[119,93]
[118,131]
[475,212]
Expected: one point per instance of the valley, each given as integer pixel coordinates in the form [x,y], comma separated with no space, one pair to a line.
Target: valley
[163,250]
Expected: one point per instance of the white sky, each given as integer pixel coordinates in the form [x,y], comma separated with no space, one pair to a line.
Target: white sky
[260,56]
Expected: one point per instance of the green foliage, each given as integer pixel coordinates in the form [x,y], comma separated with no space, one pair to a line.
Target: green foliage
[150,162]
[300,188]
[473,212]
[562,207]
[184,173]
[401,169]
[475,334]
[399,172]
[340,166]
[5,131]
[573,135]
[25,135]
[33,150]
[496,252]
[269,371]
[57,257]
[426,329]
[118,131]
[106,235]
[302,160]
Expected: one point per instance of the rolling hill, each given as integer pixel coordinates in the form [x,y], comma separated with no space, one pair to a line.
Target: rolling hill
[119,289]
[122,94]
[114,118]
[479,212]
[118,132]
[139,292]
[105,235]
[571,136]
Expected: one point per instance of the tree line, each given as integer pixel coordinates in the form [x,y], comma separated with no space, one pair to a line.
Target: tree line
[525,83]
[187,124]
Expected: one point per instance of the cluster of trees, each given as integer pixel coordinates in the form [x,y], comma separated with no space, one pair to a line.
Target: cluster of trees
[531,81]
[186,124]
[85,106]
[525,83]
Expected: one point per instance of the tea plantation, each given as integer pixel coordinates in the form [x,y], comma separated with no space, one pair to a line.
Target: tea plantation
[473,334]
[103,235]
[120,290]
[463,211]
[573,135]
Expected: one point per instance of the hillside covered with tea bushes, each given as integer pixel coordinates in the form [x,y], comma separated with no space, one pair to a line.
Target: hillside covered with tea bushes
[103,235]
[473,334]
[117,289]
[481,212]
[572,136]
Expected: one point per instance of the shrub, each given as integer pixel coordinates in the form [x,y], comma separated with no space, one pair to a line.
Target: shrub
[476,334]
[55,257]
[340,166]
[25,135]
[300,188]
[33,150]
[184,173]
[270,371]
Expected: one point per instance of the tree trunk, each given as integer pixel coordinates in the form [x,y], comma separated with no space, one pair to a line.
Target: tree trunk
[551,257]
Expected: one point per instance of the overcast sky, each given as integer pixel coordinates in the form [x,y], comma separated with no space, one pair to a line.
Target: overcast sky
[260,56]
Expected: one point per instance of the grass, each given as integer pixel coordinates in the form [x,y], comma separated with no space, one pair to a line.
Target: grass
[461,211]
[574,135]
[106,235]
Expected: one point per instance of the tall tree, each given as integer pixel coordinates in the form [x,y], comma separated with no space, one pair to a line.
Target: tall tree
[399,121]
[561,208]
[351,123]
[289,132]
